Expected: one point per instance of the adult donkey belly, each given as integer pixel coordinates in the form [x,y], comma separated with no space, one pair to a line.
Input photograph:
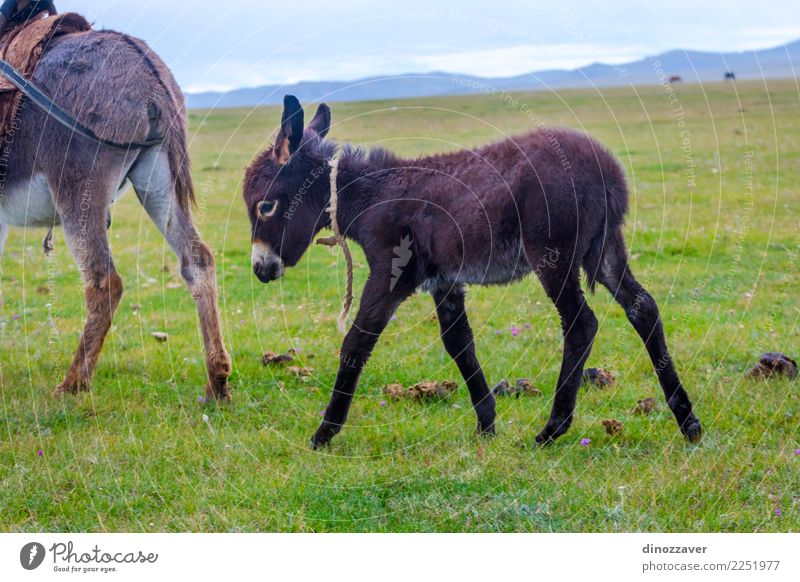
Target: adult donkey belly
[28,202]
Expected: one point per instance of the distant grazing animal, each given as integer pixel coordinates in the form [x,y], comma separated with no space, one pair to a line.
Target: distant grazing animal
[117,87]
[548,202]
[675,79]
[730,76]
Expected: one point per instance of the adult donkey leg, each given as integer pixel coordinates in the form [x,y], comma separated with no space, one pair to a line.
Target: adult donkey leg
[642,311]
[152,180]
[579,326]
[378,303]
[458,341]
[83,210]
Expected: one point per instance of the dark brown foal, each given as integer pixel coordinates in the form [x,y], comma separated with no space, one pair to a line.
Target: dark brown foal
[551,202]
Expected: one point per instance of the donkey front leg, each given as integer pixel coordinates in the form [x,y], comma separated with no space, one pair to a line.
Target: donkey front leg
[377,305]
[458,341]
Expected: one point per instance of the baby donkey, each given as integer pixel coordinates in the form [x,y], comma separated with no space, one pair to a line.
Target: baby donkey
[548,202]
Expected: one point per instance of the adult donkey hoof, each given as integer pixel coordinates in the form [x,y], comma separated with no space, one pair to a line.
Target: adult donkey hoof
[72,388]
[218,393]
[692,430]
[219,368]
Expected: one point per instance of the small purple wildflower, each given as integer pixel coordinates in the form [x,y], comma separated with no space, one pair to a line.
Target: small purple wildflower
[40,452]
[585,442]
[797,452]
[393,318]
[322,413]
[241,322]
[16,316]
[515,331]
[382,403]
[201,399]
[527,326]
[778,512]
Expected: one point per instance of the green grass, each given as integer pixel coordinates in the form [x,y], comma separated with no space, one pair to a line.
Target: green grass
[719,256]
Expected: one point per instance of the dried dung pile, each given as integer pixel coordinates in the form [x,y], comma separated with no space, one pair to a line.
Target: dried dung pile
[271,358]
[774,365]
[598,377]
[521,388]
[421,391]
[613,427]
[645,406]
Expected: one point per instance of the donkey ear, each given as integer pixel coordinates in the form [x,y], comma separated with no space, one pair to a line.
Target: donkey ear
[291,132]
[322,120]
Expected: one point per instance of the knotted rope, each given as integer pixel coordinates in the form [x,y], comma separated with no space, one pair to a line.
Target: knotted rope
[338,239]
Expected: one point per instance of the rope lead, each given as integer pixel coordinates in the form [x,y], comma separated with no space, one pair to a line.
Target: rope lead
[338,240]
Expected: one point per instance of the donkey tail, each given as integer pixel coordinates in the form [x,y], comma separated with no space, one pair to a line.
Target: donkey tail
[609,233]
[180,168]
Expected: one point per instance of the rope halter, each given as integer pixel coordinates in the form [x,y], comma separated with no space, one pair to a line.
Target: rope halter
[338,240]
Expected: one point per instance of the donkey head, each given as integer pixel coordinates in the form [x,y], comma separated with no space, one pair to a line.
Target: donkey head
[286,189]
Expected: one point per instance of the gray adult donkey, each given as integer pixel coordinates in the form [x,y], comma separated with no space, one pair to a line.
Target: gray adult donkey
[117,87]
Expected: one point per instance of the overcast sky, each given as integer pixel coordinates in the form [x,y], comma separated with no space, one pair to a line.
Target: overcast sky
[223,44]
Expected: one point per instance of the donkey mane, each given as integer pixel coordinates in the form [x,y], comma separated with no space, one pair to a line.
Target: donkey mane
[359,158]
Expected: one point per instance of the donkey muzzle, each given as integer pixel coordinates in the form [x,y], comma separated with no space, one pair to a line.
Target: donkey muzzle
[267,266]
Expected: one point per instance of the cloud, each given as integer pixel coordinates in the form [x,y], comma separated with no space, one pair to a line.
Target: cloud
[241,43]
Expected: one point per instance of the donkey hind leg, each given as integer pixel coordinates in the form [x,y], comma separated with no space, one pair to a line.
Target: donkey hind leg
[579,326]
[458,341]
[378,303]
[642,312]
[86,236]
[152,181]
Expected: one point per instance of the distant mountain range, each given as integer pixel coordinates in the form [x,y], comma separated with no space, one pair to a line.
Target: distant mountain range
[690,66]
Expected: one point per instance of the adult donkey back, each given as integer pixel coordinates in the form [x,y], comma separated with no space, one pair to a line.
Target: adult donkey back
[115,85]
[549,202]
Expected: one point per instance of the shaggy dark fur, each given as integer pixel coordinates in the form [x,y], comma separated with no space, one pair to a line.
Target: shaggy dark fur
[548,202]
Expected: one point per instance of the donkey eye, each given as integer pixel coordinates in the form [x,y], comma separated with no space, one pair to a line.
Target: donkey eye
[267,208]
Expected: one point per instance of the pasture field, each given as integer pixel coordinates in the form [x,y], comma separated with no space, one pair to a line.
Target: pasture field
[714,235]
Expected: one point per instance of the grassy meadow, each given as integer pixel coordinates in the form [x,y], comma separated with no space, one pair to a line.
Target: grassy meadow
[714,235]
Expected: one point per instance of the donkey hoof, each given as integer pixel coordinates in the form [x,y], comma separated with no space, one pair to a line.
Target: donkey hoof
[317,442]
[218,392]
[316,445]
[72,388]
[692,430]
[486,429]
[547,437]
[323,436]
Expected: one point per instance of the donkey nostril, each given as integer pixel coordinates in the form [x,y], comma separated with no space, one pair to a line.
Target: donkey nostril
[273,270]
[268,271]
[260,271]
